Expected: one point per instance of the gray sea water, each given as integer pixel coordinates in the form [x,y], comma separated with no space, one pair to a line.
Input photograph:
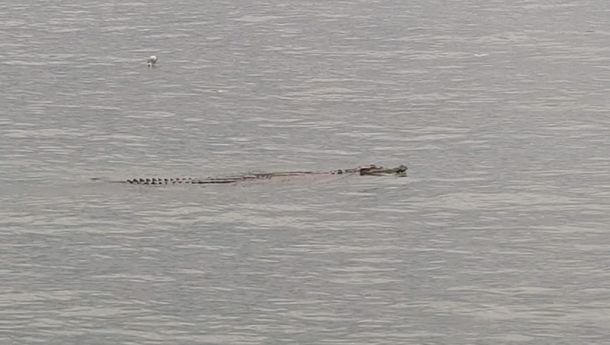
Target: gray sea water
[499,235]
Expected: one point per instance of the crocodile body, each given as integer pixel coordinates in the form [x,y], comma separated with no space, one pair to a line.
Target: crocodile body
[369,170]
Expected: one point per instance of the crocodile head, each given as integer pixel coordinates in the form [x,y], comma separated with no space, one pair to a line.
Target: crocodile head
[374,170]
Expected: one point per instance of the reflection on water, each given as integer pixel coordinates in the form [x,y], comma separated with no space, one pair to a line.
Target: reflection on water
[498,234]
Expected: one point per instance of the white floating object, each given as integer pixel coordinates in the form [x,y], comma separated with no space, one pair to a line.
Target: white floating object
[151,61]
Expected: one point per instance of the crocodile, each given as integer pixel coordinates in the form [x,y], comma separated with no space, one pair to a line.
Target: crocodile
[368,170]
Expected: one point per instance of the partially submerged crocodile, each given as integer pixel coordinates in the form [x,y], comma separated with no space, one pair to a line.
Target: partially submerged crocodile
[369,170]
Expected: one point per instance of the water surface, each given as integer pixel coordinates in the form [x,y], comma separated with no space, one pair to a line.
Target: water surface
[499,235]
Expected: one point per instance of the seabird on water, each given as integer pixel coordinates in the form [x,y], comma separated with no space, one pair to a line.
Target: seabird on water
[151,61]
